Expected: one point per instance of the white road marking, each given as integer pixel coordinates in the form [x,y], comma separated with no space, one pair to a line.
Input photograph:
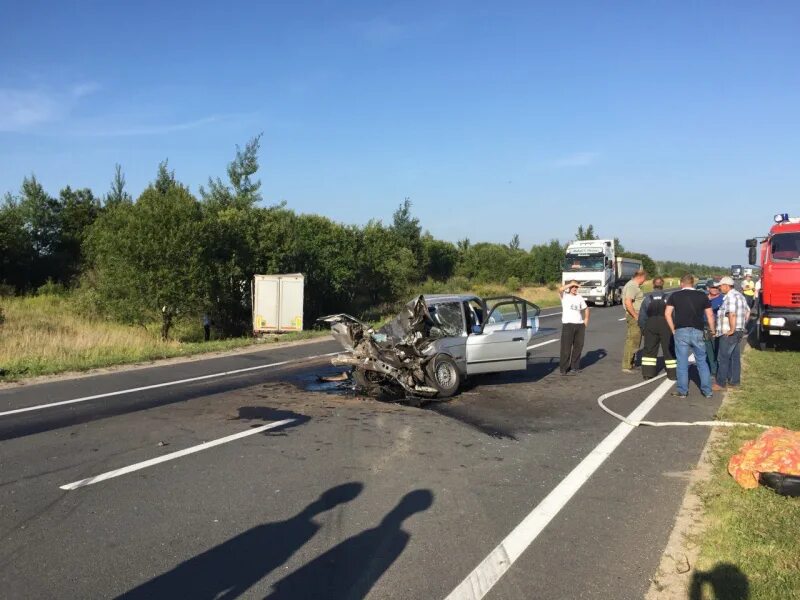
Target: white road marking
[172,455]
[494,566]
[160,385]
[541,344]
[622,319]
[549,315]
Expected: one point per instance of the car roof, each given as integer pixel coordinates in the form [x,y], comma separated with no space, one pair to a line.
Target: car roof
[441,298]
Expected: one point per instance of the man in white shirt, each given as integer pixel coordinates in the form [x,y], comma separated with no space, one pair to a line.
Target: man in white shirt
[574,321]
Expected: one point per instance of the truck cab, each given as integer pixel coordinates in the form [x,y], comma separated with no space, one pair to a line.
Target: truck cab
[599,272]
[778,304]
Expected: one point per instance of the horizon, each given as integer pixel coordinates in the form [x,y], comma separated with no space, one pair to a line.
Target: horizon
[516,120]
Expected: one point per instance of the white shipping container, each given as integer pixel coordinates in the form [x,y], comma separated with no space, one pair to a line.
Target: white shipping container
[278,303]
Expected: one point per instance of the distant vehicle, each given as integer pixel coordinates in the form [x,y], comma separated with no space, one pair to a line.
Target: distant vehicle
[701,284]
[277,302]
[777,307]
[600,273]
[736,271]
[435,342]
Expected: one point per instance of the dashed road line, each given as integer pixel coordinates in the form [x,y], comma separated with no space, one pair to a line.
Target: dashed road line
[172,456]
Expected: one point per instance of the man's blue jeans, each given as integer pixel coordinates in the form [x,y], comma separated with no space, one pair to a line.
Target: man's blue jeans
[729,356]
[688,340]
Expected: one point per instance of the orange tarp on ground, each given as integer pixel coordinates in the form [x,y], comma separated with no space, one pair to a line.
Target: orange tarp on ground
[777,450]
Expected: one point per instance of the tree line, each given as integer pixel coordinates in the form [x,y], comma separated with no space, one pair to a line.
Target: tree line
[169,253]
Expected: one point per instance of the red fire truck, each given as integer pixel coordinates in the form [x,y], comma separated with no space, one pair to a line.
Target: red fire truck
[778,304]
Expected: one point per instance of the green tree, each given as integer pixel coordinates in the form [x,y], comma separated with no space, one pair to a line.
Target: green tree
[548,260]
[585,234]
[147,257]
[385,269]
[17,254]
[408,232]
[78,210]
[231,222]
[243,191]
[440,257]
[514,243]
[117,194]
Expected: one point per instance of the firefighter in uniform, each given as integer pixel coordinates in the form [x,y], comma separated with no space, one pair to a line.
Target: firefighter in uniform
[656,332]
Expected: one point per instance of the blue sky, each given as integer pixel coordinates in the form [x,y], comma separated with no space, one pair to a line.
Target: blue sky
[673,126]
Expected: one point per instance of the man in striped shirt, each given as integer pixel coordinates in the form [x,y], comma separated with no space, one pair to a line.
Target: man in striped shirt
[731,319]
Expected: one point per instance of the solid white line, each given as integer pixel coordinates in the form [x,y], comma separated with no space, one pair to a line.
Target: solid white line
[550,315]
[541,344]
[494,566]
[160,385]
[154,461]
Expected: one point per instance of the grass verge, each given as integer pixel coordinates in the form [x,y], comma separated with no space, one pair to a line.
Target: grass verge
[44,335]
[751,542]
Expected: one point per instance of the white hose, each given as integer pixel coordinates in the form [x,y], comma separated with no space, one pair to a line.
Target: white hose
[624,419]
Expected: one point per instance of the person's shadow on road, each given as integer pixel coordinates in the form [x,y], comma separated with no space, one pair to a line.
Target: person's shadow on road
[348,571]
[231,568]
[726,580]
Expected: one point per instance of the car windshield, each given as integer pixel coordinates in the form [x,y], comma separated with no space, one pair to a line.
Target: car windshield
[449,319]
[583,263]
[785,247]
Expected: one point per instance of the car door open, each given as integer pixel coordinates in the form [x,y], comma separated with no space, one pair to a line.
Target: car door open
[503,343]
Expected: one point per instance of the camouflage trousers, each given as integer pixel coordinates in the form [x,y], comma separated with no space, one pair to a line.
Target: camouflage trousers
[633,339]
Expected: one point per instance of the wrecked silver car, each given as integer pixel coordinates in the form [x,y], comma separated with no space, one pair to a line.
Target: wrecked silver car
[435,342]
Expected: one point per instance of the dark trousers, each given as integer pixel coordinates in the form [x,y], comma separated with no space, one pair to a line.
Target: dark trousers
[572,335]
[206,332]
[657,334]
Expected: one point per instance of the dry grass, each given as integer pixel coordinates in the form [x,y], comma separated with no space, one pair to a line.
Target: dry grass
[44,334]
[541,295]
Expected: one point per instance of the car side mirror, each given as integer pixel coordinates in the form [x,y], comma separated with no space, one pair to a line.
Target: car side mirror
[476,329]
[751,243]
[751,255]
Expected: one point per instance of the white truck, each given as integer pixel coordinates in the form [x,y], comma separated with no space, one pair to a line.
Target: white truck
[599,271]
[277,302]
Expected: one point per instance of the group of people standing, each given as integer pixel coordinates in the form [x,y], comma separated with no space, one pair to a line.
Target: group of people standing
[689,322]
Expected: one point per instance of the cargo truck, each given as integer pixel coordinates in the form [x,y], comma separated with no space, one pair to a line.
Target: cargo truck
[777,306]
[277,303]
[599,271]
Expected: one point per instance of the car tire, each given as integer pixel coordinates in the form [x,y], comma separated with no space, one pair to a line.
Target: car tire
[365,381]
[443,374]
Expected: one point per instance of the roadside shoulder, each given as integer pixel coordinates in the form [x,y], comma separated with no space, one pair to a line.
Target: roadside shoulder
[70,375]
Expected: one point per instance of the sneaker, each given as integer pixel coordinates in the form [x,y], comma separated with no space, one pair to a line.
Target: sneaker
[563,373]
[628,371]
[708,395]
[679,395]
[573,372]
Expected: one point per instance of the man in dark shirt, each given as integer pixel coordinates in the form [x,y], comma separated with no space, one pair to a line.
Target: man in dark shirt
[684,314]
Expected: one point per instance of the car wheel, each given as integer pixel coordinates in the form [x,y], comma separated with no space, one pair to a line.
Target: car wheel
[367,382]
[444,375]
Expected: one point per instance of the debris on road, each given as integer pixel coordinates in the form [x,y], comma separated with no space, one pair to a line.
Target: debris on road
[343,376]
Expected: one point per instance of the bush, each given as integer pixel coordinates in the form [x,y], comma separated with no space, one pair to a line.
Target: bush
[513,283]
[51,288]
[6,290]
[553,286]
[2,316]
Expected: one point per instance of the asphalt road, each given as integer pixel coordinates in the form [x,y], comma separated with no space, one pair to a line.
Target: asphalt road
[351,498]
